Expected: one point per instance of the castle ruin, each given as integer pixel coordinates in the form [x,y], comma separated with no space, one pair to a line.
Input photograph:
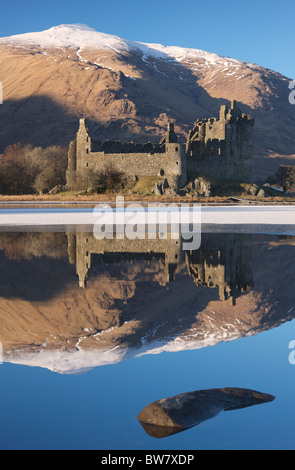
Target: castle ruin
[222,147]
[216,147]
[224,261]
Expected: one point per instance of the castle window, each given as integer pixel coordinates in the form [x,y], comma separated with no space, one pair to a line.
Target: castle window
[162,172]
[176,149]
[177,163]
[86,164]
[87,150]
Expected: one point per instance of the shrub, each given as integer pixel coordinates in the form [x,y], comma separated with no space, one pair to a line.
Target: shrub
[27,169]
[99,181]
[284,177]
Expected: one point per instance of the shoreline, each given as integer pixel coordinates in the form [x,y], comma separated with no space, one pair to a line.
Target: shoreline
[70,198]
[237,202]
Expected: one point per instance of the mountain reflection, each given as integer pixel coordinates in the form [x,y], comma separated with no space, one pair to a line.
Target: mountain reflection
[71,302]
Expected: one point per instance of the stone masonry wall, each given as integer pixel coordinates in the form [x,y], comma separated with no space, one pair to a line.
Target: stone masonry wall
[170,163]
[82,247]
[218,147]
[222,147]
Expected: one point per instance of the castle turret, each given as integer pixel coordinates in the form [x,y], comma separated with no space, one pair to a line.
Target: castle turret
[170,136]
[222,148]
[223,112]
[83,142]
[72,164]
[233,104]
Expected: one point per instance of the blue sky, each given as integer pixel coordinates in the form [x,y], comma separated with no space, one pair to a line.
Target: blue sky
[255,31]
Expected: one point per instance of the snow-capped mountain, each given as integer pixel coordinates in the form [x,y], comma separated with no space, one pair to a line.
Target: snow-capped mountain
[83,37]
[130,89]
[127,309]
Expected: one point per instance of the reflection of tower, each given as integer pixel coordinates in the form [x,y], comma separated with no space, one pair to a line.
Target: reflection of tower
[223,261]
[84,250]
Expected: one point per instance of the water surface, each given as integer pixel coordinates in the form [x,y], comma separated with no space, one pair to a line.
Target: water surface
[94,331]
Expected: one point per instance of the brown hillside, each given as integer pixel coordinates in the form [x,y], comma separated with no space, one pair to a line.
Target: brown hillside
[128,94]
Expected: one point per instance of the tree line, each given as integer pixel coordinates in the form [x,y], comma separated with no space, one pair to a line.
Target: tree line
[284,177]
[25,169]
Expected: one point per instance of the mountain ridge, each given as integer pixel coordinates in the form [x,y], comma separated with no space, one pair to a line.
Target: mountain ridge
[83,36]
[128,310]
[130,90]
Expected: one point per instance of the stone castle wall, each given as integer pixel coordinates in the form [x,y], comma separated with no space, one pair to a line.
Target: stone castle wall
[169,161]
[218,147]
[222,147]
[223,261]
[83,246]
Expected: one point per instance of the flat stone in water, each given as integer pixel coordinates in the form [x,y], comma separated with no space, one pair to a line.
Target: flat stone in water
[175,414]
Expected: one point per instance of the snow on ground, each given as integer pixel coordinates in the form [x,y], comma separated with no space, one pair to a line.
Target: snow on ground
[74,35]
[82,360]
[81,36]
[236,215]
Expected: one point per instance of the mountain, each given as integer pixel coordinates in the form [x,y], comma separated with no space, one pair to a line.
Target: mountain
[129,90]
[127,309]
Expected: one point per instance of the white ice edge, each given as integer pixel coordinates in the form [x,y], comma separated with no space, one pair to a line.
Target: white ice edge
[233,215]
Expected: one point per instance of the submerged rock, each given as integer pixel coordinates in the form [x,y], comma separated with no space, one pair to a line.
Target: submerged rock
[175,414]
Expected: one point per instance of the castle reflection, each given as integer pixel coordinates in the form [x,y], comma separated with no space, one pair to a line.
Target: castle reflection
[136,296]
[223,261]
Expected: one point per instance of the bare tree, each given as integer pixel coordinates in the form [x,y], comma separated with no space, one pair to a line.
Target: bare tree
[285,177]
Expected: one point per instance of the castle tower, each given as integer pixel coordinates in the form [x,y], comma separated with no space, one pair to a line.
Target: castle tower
[224,261]
[78,149]
[83,140]
[222,147]
[72,164]
[170,136]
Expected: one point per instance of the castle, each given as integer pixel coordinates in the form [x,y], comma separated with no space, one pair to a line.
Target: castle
[224,260]
[216,147]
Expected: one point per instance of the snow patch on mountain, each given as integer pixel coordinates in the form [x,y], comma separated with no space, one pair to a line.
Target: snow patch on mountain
[73,35]
[82,360]
[81,36]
